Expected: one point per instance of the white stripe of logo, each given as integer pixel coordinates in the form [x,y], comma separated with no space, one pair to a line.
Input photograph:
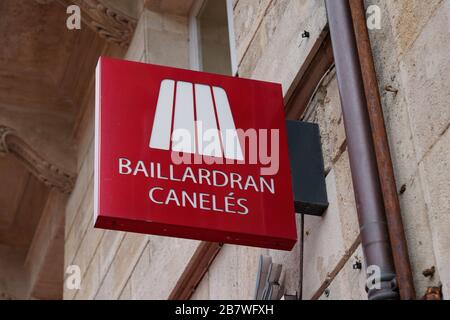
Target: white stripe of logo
[202,113]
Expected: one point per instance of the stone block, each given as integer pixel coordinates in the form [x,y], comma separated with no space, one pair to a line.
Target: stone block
[84,129]
[398,124]
[126,293]
[90,282]
[349,284]
[223,275]
[348,215]
[137,46]
[122,266]
[84,178]
[327,113]
[409,18]
[425,70]
[403,153]
[78,230]
[418,234]
[248,15]
[202,291]
[160,267]
[247,270]
[323,242]
[166,40]
[282,27]
[87,248]
[108,247]
[435,177]
[289,260]
[237,281]
[175,24]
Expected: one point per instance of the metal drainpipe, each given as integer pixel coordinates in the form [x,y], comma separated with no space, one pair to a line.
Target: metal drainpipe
[383,154]
[363,163]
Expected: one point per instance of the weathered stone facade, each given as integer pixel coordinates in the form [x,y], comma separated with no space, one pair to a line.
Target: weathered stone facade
[411,55]
[413,67]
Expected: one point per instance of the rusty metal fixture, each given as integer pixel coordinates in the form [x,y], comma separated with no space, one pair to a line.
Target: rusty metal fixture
[433,293]
[357,265]
[383,155]
[363,162]
[429,273]
[306,34]
[387,88]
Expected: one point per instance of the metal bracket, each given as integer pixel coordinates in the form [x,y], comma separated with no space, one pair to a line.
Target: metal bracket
[269,280]
[307,168]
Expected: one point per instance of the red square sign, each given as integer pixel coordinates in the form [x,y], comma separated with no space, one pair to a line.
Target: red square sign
[192,155]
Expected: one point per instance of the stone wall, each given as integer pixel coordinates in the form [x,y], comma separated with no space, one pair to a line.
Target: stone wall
[414,83]
[412,61]
[117,265]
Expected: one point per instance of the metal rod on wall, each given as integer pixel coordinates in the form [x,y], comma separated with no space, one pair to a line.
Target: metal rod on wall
[363,163]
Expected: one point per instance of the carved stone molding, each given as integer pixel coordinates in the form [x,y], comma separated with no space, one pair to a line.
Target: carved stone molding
[110,24]
[46,172]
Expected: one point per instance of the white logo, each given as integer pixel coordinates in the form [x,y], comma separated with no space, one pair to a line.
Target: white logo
[195,119]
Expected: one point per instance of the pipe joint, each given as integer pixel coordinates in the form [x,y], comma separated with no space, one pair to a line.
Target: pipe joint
[385,289]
